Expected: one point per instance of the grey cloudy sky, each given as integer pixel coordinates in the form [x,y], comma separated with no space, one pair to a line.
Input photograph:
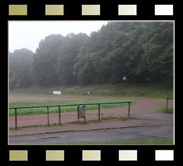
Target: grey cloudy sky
[28,34]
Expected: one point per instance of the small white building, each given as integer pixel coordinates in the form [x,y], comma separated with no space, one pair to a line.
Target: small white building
[57,92]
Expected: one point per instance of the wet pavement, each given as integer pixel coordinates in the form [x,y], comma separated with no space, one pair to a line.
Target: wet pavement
[140,127]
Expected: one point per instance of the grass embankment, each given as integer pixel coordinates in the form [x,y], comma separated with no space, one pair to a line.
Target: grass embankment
[155,90]
[139,142]
[34,111]
[162,111]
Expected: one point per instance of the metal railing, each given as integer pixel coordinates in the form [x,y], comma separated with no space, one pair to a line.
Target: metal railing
[59,109]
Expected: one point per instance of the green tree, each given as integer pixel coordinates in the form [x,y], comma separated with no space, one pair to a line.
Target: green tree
[67,58]
[158,52]
[45,60]
[20,62]
[139,51]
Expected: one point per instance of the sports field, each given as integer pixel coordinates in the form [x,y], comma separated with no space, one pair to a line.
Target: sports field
[34,117]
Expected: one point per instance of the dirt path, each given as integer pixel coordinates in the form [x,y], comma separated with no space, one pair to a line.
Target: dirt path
[142,106]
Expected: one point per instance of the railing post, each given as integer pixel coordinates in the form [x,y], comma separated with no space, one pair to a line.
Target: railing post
[98,112]
[78,113]
[167,105]
[48,115]
[16,118]
[59,115]
[128,109]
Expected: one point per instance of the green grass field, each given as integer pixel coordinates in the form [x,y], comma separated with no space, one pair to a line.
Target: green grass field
[34,111]
[155,90]
[139,142]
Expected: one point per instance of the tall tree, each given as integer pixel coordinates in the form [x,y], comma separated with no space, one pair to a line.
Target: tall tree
[139,51]
[20,62]
[45,60]
[67,58]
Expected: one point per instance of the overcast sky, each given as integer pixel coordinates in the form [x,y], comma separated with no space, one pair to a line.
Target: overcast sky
[28,34]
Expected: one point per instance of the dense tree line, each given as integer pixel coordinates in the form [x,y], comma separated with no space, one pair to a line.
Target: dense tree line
[118,52]
[20,62]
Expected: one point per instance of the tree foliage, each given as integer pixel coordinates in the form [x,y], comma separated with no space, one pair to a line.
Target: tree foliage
[137,51]
[67,58]
[20,62]
[45,60]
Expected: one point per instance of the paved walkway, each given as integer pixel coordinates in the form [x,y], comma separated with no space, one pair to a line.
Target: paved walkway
[100,136]
[152,126]
[136,121]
